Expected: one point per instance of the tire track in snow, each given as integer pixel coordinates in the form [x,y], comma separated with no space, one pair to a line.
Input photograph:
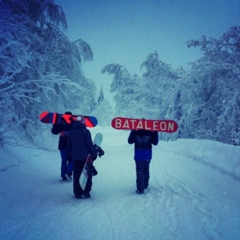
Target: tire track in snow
[177,206]
[192,197]
[162,215]
[186,204]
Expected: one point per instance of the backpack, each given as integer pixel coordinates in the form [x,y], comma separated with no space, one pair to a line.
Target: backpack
[143,141]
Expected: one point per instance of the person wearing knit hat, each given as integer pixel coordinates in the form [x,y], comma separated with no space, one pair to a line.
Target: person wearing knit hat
[63,130]
[81,119]
[79,146]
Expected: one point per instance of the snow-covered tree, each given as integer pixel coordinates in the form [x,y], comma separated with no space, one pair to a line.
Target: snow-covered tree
[126,87]
[216,86]
[40,68]
[147,96]
[103,110]
[161,83]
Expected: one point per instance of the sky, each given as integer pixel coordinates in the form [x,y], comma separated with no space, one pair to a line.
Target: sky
[126,32]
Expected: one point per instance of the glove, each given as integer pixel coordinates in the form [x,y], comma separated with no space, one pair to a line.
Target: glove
[91,170]
[99,150]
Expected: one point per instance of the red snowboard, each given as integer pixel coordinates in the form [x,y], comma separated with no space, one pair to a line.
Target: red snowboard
[122,123]
[58,118]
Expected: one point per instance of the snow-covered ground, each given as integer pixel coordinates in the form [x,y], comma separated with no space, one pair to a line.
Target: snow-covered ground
[194,193]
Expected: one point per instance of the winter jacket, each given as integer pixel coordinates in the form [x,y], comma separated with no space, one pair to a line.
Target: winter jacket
[80,143]
[63,130]
[143,140]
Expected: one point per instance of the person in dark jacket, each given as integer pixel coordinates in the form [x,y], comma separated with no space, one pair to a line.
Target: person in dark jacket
[80,145]
[143,140]
[63,131]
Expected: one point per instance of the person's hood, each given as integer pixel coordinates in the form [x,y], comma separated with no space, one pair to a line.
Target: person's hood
[78,125]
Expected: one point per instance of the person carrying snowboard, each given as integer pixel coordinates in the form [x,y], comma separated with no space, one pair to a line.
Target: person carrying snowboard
[63,131]
[143,140]
[79,146]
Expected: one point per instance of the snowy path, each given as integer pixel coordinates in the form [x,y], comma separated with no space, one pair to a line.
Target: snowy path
[188,198]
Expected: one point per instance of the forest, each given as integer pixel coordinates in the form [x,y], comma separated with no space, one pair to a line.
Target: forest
[41,69]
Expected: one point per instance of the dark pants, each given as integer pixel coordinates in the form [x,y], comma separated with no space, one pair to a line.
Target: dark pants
[142,172]
[77,170]
[66,167]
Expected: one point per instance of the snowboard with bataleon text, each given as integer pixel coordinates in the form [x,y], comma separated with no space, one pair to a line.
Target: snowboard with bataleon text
[88,167]
[58,118]
[122,123]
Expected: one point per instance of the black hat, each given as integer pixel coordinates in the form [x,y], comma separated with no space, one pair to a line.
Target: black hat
[68,113]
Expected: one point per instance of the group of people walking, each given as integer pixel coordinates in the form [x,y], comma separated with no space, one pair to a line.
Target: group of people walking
[75,144]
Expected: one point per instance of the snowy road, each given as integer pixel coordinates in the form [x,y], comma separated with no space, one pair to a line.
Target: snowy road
[190,196]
